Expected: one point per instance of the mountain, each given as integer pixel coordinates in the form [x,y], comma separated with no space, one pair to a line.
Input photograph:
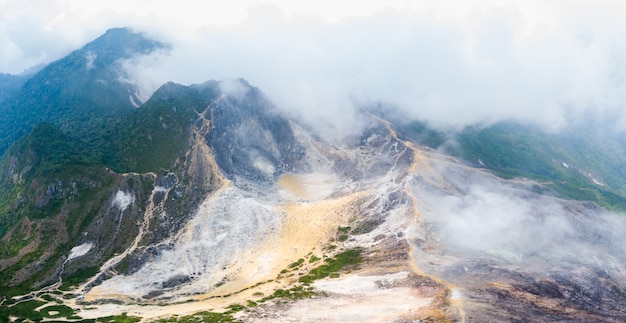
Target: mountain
[78,92]
[9,84]
[206,203]
[583,162]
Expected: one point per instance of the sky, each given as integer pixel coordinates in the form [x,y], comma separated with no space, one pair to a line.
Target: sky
[451,63]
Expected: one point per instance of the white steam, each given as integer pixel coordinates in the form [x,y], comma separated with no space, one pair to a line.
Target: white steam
[233,87]
[123,200]
[481,215]
[90,57]
[80,250]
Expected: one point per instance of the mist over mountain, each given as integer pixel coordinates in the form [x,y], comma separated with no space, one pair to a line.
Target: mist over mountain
[10,84]
[78,92]
[209,202]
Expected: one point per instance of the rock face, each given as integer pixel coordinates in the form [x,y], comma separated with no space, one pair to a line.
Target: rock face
[249,140]
[205,197]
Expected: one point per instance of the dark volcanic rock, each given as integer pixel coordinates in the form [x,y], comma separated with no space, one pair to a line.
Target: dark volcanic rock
[249,140]
[176,280]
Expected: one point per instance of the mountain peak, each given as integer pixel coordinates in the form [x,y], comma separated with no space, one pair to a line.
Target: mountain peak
[120,43]
[87,82]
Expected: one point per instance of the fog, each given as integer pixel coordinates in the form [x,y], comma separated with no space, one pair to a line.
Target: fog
[451,63]
[431,70]
[479,215]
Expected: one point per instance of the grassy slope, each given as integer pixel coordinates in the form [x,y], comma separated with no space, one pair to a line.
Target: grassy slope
[514,150]
[49,173]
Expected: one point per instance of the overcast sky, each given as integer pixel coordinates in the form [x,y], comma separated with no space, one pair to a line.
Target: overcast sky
[450,62]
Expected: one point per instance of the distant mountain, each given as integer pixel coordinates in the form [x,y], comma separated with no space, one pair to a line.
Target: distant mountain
[78,92]
[583,162]
[578,163]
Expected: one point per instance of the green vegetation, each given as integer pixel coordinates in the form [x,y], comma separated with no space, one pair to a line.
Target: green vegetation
[344,229]
[80,204]
[421,133]
[296,263]
[343,233]
[333,265]
[78,277]
[234,308]
[565,162]
[26,310]
[123,318]
[60,310]
[204,317]
[366,226]
[295,293]
[314,258]
[49,298]
[11,84]
[152,138]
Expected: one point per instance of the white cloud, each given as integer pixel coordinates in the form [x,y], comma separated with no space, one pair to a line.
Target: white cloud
[451,62]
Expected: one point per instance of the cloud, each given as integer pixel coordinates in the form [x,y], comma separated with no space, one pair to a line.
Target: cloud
[499,67]
[449,62]
[485,217]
